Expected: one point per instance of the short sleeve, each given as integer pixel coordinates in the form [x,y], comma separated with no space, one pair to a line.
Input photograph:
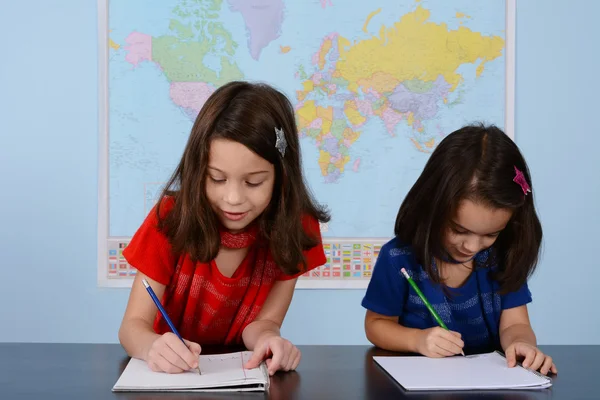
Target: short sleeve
[386,293]
[518,298]
[149,250]
[315,256]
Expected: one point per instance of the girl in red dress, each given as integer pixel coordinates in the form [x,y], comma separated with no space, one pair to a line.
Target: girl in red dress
[233,229]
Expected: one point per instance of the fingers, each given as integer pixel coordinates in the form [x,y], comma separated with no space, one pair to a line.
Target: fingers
[181,351]
[438,342]
[553,369]
[174,359]
[194,347]
[511,356]
[453,337]
[528,353]
[449,341]
[296,361]
[292,359]
[257,357]
[161,364]
[538,360]
[442,351]
[281,354]
[547,366]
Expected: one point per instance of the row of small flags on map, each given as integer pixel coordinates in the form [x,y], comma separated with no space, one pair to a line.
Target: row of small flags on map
[117,265]
[347,260]
[343,260]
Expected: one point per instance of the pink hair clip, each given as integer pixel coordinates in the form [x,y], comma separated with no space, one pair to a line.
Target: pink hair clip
[520,179]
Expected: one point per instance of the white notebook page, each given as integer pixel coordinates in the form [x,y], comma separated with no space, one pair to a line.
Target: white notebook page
[483,371]
[217,371]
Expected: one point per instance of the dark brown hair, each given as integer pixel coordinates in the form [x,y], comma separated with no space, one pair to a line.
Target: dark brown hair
[247,113]
[478,163]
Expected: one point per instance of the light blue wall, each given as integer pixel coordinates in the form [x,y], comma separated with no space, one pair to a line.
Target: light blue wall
[48,179]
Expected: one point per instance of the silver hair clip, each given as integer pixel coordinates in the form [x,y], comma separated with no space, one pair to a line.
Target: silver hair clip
[280,142]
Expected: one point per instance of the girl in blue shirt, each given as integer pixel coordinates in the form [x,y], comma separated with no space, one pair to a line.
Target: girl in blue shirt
[468,234]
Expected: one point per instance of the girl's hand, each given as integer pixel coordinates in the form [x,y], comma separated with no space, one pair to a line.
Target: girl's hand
[532,357]
[438,342]
[284,355]
[168,354]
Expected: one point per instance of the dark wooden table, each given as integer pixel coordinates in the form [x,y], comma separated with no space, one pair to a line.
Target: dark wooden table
[89,371]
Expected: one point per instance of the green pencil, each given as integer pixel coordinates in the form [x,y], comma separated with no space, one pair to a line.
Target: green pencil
[426,302]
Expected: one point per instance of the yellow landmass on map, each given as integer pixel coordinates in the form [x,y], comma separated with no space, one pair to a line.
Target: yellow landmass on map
[352,113]
[113,45]
[326,115]
[371,15]
[308,111]
[410,119]
[325,112]
[284,49]
[350,135]
[339,164]
[479,70]
[308,85]
[324,158]
[379,81]
[414,48]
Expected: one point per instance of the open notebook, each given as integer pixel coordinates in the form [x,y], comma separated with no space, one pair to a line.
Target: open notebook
[477,372]
[220,373]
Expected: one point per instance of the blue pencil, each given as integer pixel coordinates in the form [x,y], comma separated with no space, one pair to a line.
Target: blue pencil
[164,313]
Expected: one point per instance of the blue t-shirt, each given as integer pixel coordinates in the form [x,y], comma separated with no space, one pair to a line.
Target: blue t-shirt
[473,309]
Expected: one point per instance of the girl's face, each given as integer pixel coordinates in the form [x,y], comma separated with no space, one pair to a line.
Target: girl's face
[239,184]
[475,227]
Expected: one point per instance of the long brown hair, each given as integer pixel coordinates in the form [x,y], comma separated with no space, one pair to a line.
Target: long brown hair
[247,113]
[478,163]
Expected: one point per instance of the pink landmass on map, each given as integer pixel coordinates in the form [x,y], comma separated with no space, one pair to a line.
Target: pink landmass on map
[364,107]
[328,40]
[356,165]
[263,21]
[317,123]
[316,78]
[391,118]
[138,48]
[190,96]
[324,3]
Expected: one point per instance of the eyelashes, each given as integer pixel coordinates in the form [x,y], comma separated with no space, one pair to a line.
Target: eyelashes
[249,184]
[458,232]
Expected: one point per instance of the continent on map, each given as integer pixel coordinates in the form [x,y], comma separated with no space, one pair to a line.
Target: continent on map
[263,20]
[404,74]
[196,57]
[138,48]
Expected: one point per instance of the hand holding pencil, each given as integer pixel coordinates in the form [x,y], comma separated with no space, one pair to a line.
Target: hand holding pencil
[438,341]
[170,352]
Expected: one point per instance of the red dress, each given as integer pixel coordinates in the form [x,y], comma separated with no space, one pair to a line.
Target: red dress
[205,306]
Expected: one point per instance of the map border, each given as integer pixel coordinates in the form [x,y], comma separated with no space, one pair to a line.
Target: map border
[103,220]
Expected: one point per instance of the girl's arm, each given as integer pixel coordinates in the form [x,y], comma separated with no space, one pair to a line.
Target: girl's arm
[162,353]
[518,341]
[263,336]
[136,334]
[515,326]
[385,332]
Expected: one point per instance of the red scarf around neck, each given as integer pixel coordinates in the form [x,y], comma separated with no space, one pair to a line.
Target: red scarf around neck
[239,240]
